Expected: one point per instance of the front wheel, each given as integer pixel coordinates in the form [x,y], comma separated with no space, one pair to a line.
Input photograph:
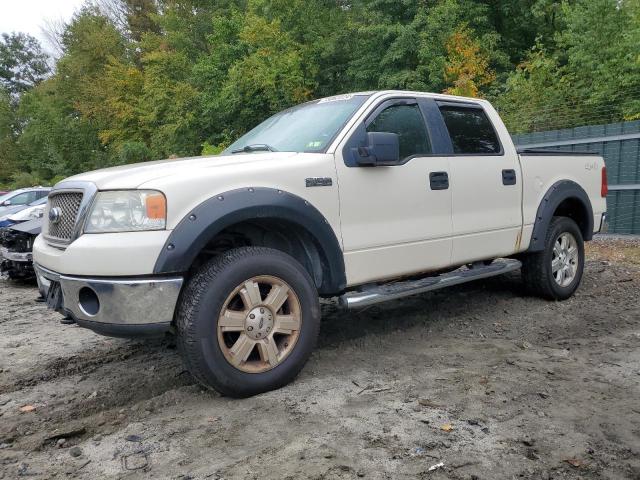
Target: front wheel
[555,273]
[248,321]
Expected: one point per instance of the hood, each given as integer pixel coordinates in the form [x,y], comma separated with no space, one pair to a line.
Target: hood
[11,209]
[132,176]
[32,227]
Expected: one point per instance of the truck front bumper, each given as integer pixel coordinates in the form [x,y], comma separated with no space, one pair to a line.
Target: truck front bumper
[117,307]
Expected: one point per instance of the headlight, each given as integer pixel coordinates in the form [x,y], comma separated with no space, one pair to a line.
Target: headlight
[127,211]
[27,214]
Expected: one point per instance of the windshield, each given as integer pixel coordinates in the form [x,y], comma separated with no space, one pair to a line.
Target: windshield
[6,196]
[309,127]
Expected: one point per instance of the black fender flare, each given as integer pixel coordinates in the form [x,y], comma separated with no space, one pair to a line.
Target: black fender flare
[558,193]
[212,216]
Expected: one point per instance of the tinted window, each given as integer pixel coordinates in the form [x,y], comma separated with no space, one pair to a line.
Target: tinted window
[406,121]
[470,130]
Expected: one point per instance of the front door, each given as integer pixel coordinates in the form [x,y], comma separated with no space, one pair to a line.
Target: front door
[396,219]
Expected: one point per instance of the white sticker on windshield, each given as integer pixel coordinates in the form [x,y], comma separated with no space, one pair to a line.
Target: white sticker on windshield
[337,98]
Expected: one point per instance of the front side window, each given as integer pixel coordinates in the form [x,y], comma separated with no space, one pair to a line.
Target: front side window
[23,198]
[406,121]
[309,127]
[470,130]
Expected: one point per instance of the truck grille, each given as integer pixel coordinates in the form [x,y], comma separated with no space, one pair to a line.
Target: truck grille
[68,205]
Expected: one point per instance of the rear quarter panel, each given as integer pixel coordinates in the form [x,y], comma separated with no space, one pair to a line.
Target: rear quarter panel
[540,172]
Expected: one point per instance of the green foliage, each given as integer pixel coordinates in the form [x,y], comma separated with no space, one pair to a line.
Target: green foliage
[26,179]
[23,64]
[208,149]
[55,138]
[134,152]
[8,157]
[536,94]
[141,80]
[588,74]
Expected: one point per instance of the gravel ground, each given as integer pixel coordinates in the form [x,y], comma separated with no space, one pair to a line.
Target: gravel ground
[486,381]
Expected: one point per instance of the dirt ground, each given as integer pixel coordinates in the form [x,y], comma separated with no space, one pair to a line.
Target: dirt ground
[493,384]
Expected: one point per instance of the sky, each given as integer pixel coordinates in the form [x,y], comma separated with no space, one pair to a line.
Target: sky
[30,16]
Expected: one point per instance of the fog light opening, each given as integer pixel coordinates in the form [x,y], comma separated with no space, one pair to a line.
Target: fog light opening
[89,303]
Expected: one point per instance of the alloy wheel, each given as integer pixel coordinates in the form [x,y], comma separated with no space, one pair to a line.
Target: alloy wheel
[259,324]
[564,264]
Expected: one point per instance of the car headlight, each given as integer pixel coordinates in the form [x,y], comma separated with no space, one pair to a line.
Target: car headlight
[26,214]
[127,211]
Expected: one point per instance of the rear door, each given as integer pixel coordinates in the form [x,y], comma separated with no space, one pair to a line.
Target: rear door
[486,185]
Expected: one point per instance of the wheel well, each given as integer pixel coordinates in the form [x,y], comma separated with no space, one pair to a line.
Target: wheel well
[275,233]
[567,199]
[574,209]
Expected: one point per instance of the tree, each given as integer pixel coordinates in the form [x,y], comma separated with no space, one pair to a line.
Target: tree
[254,69]
[523,23]
[7,137]
[268,78]
[538,95]
[23,64]
[601,47]
[467,68]
[591,74]
[134,18]
[59,120]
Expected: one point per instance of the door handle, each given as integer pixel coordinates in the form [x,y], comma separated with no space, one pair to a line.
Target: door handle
[509,177]
[439,180]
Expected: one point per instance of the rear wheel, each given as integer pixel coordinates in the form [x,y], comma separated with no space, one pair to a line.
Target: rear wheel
[555,273]
[248,321]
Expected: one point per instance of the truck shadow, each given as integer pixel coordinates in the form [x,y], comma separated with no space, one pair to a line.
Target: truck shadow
[434,309]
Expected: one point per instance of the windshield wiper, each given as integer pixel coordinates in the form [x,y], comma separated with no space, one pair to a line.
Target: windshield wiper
[257,147]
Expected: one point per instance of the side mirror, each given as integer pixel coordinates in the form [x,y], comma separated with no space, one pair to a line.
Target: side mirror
[6,203]
[383,148]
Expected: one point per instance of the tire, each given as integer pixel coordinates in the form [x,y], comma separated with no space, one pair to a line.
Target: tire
[538,272]
[234,300]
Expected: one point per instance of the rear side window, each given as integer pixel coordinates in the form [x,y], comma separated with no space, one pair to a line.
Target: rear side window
[405,121]
[470,130]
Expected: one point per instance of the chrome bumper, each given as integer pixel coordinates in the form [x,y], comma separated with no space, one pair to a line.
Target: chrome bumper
[119,302]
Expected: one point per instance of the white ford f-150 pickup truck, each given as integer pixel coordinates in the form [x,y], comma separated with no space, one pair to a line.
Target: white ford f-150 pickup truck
[363,197]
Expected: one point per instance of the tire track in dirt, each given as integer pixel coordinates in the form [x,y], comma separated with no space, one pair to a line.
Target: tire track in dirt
[83,363]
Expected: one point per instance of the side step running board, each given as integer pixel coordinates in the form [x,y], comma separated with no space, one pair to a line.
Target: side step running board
[371,295]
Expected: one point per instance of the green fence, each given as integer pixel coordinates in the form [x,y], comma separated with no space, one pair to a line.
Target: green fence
[619,144]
